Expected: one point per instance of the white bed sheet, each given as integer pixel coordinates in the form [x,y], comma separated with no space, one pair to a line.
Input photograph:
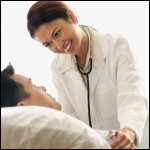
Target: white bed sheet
[35,127]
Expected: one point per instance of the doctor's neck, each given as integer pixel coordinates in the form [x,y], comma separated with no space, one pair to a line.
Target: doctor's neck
[82,53]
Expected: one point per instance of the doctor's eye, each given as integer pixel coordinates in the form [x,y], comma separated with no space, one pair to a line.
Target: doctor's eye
[48,44]
[56,34]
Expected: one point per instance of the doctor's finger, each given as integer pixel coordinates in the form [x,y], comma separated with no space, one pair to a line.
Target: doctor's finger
[124,143]
[120,137]
[130,146]
[112,133]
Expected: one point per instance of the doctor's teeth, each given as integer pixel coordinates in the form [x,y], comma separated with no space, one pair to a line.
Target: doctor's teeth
[67,48]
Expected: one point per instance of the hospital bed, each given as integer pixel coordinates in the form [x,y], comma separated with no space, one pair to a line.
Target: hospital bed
[35,127]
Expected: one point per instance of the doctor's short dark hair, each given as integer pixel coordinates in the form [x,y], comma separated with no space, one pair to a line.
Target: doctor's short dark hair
[43,12]
[12,92]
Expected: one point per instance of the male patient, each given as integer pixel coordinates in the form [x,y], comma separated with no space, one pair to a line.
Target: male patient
[17,90]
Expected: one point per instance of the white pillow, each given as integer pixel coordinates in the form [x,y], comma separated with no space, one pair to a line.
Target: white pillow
[35,127]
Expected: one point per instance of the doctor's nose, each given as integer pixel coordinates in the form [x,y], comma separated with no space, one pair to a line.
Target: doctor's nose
[59,45]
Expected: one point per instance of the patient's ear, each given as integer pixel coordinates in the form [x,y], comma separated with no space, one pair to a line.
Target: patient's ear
[21,103]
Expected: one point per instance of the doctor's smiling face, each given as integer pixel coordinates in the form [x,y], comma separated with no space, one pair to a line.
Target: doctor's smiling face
[61,36]
[18,90]
[55,26]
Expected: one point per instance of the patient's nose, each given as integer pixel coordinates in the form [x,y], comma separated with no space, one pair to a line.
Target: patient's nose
[42,88]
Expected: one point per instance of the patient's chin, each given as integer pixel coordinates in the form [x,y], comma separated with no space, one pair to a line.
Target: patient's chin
[58,107]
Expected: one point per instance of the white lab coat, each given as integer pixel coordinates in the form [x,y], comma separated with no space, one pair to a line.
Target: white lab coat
[115,98]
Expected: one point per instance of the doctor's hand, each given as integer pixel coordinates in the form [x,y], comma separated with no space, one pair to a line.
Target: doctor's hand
[121,139]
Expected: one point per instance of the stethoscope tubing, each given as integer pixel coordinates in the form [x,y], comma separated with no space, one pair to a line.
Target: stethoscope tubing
[87,77]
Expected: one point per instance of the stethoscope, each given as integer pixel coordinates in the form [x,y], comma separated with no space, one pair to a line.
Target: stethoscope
[87,75]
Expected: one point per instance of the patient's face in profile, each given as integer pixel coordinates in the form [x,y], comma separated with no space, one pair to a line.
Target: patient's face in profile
[38,95]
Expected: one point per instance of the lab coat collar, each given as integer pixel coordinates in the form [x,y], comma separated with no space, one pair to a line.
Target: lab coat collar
[99,47]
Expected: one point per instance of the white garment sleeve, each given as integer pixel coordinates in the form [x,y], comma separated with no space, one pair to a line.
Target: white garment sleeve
[132,105]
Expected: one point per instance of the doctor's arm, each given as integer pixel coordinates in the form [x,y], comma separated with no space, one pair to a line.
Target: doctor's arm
[132,110]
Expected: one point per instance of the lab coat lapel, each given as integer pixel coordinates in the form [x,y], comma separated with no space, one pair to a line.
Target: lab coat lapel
[79,81]
[79,91]
[94,78]
[99,46]
[69,67]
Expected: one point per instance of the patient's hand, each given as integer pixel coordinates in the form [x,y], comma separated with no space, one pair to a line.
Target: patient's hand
[121,140]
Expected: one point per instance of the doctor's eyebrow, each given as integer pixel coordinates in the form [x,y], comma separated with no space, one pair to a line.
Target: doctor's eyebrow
[52,35]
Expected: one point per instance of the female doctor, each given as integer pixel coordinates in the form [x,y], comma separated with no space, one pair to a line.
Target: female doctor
[94,74]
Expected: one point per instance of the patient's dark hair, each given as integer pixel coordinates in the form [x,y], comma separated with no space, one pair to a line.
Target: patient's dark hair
[12,92]
[43,12]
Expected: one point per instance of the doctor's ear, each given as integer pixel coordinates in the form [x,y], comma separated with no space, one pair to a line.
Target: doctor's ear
[72,16]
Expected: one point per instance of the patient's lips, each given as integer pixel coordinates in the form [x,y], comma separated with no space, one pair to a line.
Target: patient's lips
[40,87]
[51,96]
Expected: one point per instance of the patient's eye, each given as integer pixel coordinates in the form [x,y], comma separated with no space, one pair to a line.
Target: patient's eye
[30,82]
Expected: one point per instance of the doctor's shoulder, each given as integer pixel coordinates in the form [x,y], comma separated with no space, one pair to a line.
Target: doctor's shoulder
[111,44]
[113,39]
[117,45]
